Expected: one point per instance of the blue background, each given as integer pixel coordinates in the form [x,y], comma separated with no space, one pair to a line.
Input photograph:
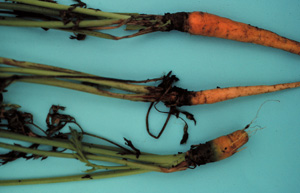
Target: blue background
[270,163]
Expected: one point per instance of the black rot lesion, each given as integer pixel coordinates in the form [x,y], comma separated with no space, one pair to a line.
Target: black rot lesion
[200,154]
[79,4]
[87,177]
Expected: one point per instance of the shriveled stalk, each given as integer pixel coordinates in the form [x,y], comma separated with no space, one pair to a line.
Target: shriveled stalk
[46,70]
[50,75]
[80,78]
[57,24]
[79,87]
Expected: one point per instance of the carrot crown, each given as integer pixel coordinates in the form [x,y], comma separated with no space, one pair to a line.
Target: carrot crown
[217,149]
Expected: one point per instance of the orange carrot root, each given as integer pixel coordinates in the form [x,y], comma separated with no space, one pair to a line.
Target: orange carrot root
[222,94]
[206,24]
[226,146]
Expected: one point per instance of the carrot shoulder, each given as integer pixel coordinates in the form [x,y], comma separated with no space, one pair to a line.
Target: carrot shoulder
[199,23]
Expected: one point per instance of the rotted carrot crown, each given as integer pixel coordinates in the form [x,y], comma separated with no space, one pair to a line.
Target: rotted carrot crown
[217,149]
[212,151]
[87,21]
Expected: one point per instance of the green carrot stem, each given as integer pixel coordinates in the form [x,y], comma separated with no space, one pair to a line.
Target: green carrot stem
[38,140]
[58,24]
[36,72]
[35,151]
[82,177]
[92,33]
[85,11]
[81,87]
[130,164]
[29,8]
[63,155]
[94,149]
[24,64]
[115,83]
[87,78]
[167,160]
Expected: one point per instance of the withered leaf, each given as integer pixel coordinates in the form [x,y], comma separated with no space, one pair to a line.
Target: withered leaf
[185,134]
[79,4]
[78,36]
[168,80]
[129,143]
[14,155]
[56,121]
[20,122]
[189,116]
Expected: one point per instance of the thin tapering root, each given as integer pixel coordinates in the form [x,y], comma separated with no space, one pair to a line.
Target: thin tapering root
[200,23]
[222,94]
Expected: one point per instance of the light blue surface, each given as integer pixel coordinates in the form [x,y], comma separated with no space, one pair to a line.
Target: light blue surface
[270,163]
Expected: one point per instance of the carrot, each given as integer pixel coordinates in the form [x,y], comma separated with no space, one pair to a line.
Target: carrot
[88,21]
[200,23]
[180,97]
[164,92]
[206,24]
[212,151]
[127,159]
[216,149]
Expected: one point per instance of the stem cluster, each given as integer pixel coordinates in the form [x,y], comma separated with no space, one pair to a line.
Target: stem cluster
[50,75]
[71,145]
[76,18]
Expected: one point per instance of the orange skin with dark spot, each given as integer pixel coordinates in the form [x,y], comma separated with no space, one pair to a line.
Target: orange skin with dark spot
[206,24]
[226,146]
[222,147]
